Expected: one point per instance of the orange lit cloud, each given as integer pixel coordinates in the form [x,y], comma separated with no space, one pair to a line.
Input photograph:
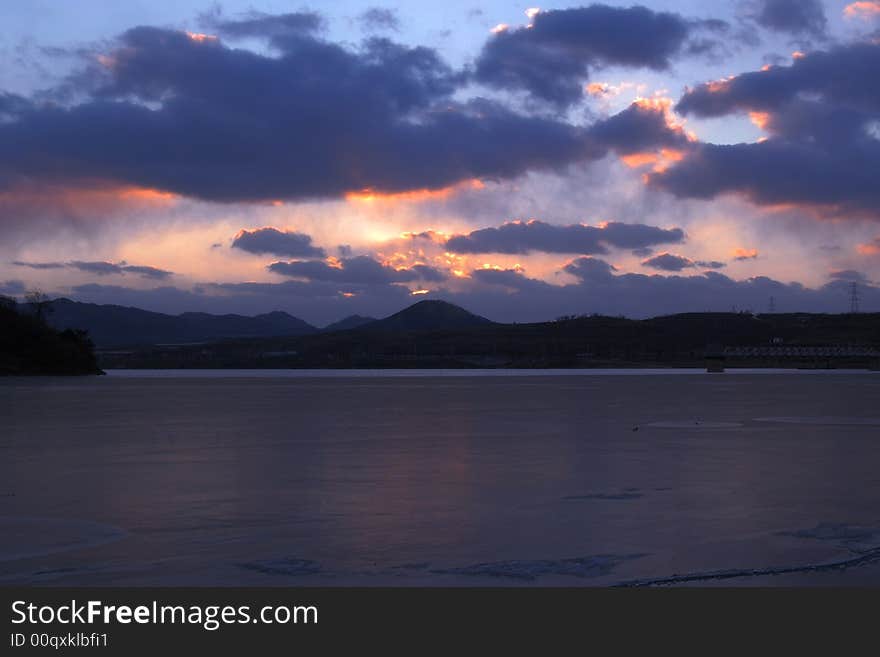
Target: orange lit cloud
[863,10]
[606,90]
[760,119]
[201,38]
[663,105]
[369,195]
[871,248]
[745,254]
[660,161]
[719,86]
[145,195]
[94,199]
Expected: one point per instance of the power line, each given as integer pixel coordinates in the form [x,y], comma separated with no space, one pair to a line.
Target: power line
[854,297]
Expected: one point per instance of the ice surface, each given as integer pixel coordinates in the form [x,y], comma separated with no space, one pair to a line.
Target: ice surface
[450,480]
[601,564]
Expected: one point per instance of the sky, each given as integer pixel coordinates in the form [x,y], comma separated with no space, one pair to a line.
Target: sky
[524,161]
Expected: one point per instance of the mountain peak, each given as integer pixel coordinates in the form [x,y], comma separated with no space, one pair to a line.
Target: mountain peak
[347,323]
[430,314]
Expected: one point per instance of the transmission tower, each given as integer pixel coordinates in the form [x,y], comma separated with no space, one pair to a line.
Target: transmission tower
[854,297]
[772,305]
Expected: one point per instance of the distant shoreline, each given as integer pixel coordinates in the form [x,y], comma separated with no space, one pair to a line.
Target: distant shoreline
[462,373]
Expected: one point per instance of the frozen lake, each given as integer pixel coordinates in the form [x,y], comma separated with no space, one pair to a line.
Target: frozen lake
[450,478]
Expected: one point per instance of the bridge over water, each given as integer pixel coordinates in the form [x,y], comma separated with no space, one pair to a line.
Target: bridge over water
[827,357]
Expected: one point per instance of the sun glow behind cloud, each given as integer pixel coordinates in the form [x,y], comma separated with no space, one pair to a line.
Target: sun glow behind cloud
[201,38]
[368,195]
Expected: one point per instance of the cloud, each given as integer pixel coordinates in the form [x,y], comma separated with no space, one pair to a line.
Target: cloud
[870,248]
[376,19]
[865,10]
[673,262]
[553,56]
[147,271]
[39,265]
[844,74]
[590,269]
[12,105]
[101,268]
[822,116]
[645,125]
[710,264]
[795,17]
[13,287]
[517,237]
[169,112]
[848,275]
[279,29]
[741,254]
[359,269]
[270,240]
[513,279]
[668,262]
[320,120]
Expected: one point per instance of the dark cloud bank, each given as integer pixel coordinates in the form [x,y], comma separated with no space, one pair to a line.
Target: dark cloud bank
[795,17]
[198,117]
[553,57]
[315,119]
[102,268]
[822,114]
[276,242]
[531,236]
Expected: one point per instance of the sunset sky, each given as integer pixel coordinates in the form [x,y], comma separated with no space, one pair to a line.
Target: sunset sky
[522,161]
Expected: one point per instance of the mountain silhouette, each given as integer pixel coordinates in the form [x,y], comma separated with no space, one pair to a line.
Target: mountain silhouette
[350,322]
[429,315]
[113,326]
